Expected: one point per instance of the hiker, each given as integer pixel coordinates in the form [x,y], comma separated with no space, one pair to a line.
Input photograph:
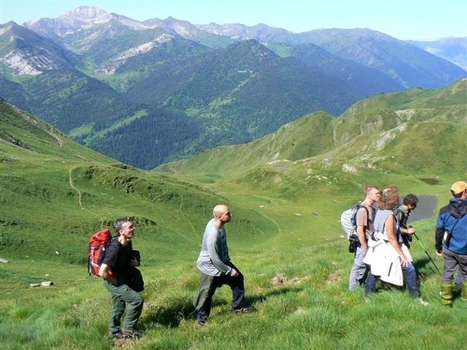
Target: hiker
[115,272]
[402,213]
[364,219]
[388,257]
[451,241]
[216,267]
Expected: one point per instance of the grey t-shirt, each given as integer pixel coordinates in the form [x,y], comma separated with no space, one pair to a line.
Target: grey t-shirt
[214,251]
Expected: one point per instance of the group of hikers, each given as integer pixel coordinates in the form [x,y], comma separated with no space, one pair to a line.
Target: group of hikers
[381,248]
[381,252]
[213,262]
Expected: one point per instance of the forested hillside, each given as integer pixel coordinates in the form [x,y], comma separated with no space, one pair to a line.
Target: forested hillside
[415,131]
[152,92]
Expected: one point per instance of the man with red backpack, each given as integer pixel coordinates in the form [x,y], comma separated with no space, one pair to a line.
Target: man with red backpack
[116,270]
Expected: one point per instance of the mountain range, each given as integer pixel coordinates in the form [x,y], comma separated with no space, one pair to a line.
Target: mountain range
[413,138]
[151,92]
[416,131]
[316,164]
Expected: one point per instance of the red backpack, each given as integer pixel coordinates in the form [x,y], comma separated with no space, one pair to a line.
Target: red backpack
[97,245]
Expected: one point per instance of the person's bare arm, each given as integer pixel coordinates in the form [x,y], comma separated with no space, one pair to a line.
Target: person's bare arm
[104,272]
[390,226]
[362,237]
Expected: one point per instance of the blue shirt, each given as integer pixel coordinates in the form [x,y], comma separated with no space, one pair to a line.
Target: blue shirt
[453,219]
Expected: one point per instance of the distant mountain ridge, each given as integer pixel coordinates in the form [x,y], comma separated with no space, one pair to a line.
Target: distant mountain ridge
[452,49]
[417,129]
[85,17]
[173,89]
[32,54]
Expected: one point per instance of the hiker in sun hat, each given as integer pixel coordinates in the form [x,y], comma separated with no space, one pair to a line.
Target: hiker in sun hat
[451,241]
[216,268]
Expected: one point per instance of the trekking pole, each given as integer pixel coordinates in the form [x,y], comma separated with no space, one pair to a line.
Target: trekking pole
[423,247]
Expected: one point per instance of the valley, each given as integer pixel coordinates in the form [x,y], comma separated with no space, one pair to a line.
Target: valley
[162,120]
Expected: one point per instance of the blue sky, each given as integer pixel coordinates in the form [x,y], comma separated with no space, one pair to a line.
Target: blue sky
[402,19]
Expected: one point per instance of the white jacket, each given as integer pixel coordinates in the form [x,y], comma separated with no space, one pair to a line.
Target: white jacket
[385,261]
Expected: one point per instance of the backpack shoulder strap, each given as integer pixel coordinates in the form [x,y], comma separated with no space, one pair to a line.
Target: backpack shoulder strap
[362,206]
[359,206]
[399,212]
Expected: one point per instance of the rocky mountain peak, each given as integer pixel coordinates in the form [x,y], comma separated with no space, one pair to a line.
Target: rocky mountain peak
[90,14]
[83,17]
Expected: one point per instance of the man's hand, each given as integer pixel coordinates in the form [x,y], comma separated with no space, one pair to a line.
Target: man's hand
[104,272]
[233,273]
[440,254]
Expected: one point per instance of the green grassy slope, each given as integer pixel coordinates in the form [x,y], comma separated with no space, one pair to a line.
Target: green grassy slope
[56,192]
[285,236]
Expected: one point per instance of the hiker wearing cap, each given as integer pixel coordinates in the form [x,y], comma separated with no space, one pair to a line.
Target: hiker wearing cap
[451,241]
[364,219]
[216,268]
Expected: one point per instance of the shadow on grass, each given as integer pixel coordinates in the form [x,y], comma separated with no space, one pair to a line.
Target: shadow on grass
[424,264]
[182,309]
[427,263]
[261,298]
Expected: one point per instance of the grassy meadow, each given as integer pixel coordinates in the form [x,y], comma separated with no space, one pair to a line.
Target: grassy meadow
[285,236]
[292,254]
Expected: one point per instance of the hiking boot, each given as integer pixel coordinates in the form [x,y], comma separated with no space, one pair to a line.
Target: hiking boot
[202,318]
[244,309]
[132,333]
[464,291]
[446,293]
[116,335]
[423,302]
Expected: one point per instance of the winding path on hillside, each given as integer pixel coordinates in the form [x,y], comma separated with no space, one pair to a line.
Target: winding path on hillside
[36,124]
[80,196]
[183,214]
[58,139]
[70,179]
[264,215]
[275,223]
[185,236]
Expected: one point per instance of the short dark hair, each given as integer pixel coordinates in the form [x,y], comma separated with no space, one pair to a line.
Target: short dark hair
[118,224]
[411,199]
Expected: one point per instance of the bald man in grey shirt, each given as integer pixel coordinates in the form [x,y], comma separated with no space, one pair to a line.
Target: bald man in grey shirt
[216,268]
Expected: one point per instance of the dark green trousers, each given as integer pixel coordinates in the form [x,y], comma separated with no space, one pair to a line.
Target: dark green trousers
[121,296]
